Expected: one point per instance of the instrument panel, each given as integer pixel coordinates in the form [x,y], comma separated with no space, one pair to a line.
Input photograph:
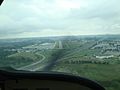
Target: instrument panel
[31,84]
[28,80]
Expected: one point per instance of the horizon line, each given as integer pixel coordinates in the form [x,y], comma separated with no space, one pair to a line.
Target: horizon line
[57,36]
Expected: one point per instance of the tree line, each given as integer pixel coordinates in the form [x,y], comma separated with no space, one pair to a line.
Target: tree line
[85,62]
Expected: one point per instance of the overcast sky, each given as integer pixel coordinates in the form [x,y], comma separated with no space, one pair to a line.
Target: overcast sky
[36,18]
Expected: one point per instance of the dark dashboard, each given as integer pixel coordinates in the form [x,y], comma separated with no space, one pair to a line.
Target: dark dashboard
[26,80]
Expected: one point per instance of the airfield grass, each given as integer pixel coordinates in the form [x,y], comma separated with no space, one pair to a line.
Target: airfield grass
[106,75]
[29,55]
[23,58]
[56,45]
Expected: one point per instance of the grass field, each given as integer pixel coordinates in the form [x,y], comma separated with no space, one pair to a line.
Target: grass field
[106,75]
[76,57]
[24,58]
[29,55]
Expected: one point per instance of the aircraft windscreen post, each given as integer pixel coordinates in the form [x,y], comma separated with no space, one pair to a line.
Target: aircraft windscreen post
[1,2]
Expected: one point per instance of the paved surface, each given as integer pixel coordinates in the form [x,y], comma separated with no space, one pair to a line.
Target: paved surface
[38,65]
[60,45]
[33,66]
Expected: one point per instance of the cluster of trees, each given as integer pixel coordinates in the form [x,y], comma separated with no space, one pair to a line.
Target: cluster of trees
[7,61]
[4,54]
[85,62]
[16,62]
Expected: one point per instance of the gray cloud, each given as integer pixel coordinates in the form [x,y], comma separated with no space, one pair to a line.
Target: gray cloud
[103,9]
[59,17]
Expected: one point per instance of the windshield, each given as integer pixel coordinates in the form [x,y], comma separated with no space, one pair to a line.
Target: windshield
[81,37]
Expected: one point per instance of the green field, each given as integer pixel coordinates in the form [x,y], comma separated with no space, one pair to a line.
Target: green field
[78,62]
[25,58]
[106,75]
[75,56]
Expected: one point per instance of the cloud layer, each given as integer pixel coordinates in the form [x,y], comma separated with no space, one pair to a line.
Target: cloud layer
[34,18]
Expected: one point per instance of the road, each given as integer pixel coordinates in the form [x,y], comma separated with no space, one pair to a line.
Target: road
[32,67]
[40,64]
[45,66]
